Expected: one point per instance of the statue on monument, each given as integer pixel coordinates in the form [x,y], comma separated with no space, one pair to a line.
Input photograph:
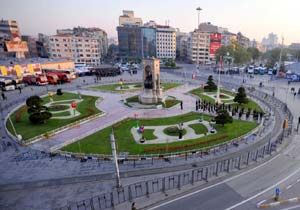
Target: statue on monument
[152,92]
[148,83]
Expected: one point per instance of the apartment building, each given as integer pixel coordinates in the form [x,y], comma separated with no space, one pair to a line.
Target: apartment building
[83,45]
[165,42]
[198,46]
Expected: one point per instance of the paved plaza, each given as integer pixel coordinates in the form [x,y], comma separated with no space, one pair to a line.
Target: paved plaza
[25,166]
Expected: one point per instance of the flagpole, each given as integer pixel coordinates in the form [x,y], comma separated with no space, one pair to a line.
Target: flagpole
[115,158]
[218,89]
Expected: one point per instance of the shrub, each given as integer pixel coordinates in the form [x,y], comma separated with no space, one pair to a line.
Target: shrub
[59,92]
[39,118]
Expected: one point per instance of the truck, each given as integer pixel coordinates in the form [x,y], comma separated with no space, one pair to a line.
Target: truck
[52,78]
[70,72]
[38,79]
[61,77]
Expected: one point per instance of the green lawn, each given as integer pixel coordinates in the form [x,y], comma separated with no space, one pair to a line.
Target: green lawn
[112,87]
[58,107]
[251,104]
[148,134]
[28,130]
[98,143]
[173,131]
[168,103]
[199,128]
[61,114]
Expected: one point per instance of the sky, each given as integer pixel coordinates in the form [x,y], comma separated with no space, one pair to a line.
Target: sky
[254,18]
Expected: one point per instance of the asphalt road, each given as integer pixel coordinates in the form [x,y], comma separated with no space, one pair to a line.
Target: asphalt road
[245,191]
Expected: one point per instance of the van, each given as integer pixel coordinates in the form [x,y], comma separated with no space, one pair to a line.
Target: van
[250,70]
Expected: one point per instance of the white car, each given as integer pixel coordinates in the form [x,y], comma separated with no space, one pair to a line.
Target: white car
[250,70]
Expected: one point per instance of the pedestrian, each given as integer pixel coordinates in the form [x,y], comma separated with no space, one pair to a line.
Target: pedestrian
[181,105]
[298,124]
[295,94]
[133,206]
[197,105]
[20,90]
[3,96]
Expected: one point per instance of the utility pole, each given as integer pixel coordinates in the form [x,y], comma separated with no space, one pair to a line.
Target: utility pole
[280,56]
[199,10]
[115,158]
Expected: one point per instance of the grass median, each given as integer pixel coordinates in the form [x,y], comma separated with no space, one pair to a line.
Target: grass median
[99,142]
[24,127]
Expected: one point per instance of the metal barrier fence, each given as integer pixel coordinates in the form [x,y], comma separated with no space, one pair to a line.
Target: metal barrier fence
[146,188]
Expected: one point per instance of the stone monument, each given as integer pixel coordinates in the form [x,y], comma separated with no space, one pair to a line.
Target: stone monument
[152,92]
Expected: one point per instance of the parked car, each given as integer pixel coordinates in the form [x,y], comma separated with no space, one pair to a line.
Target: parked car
[250,70]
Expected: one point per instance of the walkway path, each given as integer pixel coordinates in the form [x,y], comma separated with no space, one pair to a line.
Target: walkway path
[163,138]
[115,111]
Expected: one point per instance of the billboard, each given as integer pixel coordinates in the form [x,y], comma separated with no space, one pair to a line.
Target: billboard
[16,46]
[215,43]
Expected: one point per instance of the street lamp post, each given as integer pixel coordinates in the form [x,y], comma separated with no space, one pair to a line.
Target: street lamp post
[199,10]
[115,158]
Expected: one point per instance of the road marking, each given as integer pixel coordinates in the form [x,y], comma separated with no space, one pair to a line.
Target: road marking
[266,190]
[293,207]
[214,185]
[259,203]
[288,187]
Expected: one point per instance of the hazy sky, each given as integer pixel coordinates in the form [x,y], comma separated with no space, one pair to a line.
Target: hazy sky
[254,18]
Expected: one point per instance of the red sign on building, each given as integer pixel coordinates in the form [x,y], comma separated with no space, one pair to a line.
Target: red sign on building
[215,43]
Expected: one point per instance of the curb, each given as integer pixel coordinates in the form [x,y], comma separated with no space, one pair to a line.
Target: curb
[269,205]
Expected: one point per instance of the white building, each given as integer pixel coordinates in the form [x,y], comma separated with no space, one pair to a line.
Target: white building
[198,45]
[83,46]
[128,19]
[165,42]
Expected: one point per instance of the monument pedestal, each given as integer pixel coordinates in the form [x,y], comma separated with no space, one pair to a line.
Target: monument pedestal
[149,96]
[152,92]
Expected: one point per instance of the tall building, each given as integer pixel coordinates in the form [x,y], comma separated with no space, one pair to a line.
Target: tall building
[243,40]
[10,27]
[11,42]
[130,43]
[198,47]
[42,46]
[228,38]
[165,42]
[83,45]
[181,44]
[32,45]
[128,19]
[136,42]
[270,42]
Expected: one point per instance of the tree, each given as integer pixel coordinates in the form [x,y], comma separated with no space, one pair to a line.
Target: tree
[38,113]
[272,56]
[254,52]
[241,96]
[223,117]
[210,84]
[240,55]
